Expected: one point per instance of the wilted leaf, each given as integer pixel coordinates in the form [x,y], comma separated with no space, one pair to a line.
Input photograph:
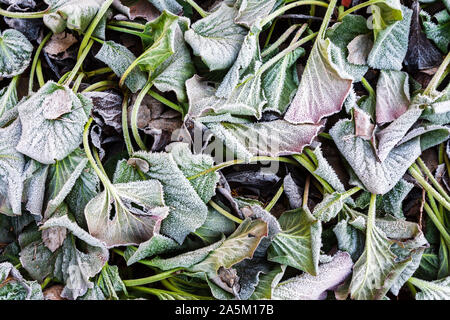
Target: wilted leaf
[251,11]
[438,33]
[434,290]
[267,283]
[14,287]
[15,53]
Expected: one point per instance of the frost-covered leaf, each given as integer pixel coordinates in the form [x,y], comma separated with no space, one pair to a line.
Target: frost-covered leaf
[187,210]
[422,54]
[110,282]
[170,5]
[72,266]
[323,87]
[377,177]
[330,206]
[438,32]
[119,58]
[267,283]
[215,225]
[157,244]
[391,44]
[126,213]
[251,11]
[8,101]
[11,169]
[45,138]
[433,290]
[14,287]
[280,82]
[216,38]
[392,97]
[359,49]
[392,201]
[349,239]
[72,14]
[298,245]
[15,53]
[272,138]
[62,177]
[326,171]
[308,287]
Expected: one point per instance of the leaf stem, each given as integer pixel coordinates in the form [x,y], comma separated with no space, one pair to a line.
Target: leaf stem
[39,74]
[100,13]
[306,192]
[133,32]
[197,8]
[432,178]
[158,292]
[79,62]
[421,180]
[270,34]
[308,165]
[130,24]
[77,82]
[357,7]
[290,6]
[35,61]
[274,46]
[368,87]
[96,72]
[100,84]
[371,215]
[135,112]
[24,15]
[126,132]
[151,279]
[432,85]
[275,198]
[437,223]
[166,102]
[224,212]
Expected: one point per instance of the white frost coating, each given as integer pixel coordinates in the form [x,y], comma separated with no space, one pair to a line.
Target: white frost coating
[138,209]
[156,245]
[216,38]
[274,138]
[323,87]
[391,44]
[251,11]
[326,171]
[15,53]
[11,166]
[378,177]
[56,104]
[434,290]
[308,287]
[359,48]
[392,95]
[49,140]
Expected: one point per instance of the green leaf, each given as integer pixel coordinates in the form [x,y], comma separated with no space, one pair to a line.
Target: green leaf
[392,95]
[52,123]
[14,287]
[392,201]
[330,206]
[251,11]
[349,239]
[170,5]
[377,177]
[215,225]
[126,213]
[119,58]
[308,287]
[434,290]
[157,244]
[126,172]
[391,44]
[298,245]
[274,138]
[280,82]
[8,101]
[15,53]
[62,177]
[12,164]
[323,87]
[438,32]
[326,171]
[267,283]
[216,38]
[72,14]
[110,282]
[67,264]
[187,210]
[192,164]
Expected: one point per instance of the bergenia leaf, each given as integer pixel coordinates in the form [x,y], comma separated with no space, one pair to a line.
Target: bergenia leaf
[187,210]
[215,225]
[267,283]
[216,38]
[158,244]
[433,290]
[273,138]
[251,11]
[437,32]
[323,87]
[170,5]
[309,287]
[298,245]
[126,213]
[391,44]
[52,123]
[14,287]
[15,53]
[119,58]
[11,168]
[392,95]
[8,100]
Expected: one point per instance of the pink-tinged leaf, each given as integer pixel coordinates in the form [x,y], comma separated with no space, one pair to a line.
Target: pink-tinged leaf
[359,49]
[273,138]
[308,287]
[392,95]
[323,87]
[363,126]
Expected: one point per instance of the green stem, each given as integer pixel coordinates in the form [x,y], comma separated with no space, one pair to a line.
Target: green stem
[100,84]
[100,13]
[133,32]
[290,6]
[359,6]
[371,216]
[421,180]
[158,292]
[135,112]
[238,161]
[274,46]
[326,19]
[77,82]
[100,71]
[24,15]
[79,62]
[130,68]
[368,87]
[39,74]
[126,132]
[64,77]
[308,165]
[197,8]
[275,199]
[432,85]
[306,192]
[312,156]
[224,212]
[35,61]
[130,24]
[12,85]
[151,279]
[165,101]
[432,179]
[45,282]
[299,33]
[270,33]
[437,223]
[411,288]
